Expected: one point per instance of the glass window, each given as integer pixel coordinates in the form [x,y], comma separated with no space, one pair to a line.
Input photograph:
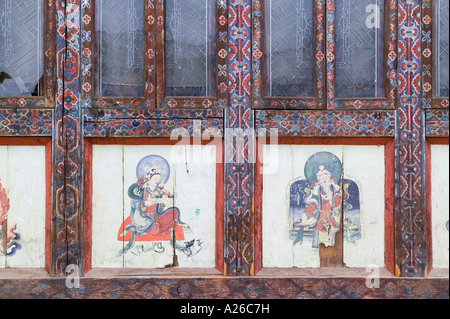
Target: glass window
[21,48]
[120,38]
[359,48]
[441,31]
[190,34]
[289,47]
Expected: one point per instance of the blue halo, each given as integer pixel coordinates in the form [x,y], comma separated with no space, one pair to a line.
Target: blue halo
[331,163]
[154,161]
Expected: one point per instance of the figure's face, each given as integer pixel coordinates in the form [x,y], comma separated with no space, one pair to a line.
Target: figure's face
[155,180]
[325,181]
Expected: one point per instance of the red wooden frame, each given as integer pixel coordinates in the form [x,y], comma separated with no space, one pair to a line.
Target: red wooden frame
[389,144]
[47,142]
[87,194]
[429,183]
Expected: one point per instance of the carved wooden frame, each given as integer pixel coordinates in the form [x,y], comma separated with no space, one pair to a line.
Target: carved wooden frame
[154,57]
[331,257]
[390,62]
[87,205]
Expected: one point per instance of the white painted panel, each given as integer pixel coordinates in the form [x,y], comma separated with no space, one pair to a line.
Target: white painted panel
[195,195]
[107,205]
[440,204]
[4,180]
[278,248]
[27,193]
[366,165]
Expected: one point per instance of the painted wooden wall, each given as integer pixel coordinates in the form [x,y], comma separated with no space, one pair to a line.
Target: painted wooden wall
[70,114]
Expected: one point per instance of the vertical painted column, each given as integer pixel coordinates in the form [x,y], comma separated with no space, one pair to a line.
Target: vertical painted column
[66,226]
[411,245]
[239,144]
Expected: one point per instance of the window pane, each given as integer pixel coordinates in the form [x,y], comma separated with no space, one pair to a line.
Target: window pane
[359,48]
[442,46]
[21,47]
[190,47]
[289,47]
[119,26]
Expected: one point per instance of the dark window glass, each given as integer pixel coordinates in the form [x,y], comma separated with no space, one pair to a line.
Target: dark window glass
[441,47]
[289,47]
[190,34]
[359,49]
[119,26]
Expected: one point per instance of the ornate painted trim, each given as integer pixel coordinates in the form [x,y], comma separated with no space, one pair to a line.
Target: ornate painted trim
[238,169]
[144,127]
[331,123]
[225,288]
[437,123]
[410,239]
[26,122]
[67,143]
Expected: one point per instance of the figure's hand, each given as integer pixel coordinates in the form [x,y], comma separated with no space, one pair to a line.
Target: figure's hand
[149,203]
[166,201]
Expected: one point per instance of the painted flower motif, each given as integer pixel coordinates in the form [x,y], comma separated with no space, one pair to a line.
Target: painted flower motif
[207,103]
[151,19]
[257,54]
[22,102]
[101,103]
[320,56]
[87,87]
[392,55]
[172,103]
[151,53]
[330,57]
[86,19]
[426,19]
[445,103]
[160,20]
[222,20]
[68,99]
[222,87]
[427,87]
[87,53]
[358,104]
[223,53]
[427,53]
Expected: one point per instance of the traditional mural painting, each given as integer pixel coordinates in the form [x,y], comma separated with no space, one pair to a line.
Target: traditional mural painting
[317,199]
[331,190]
[8,237]
[153,218]
[156,215]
